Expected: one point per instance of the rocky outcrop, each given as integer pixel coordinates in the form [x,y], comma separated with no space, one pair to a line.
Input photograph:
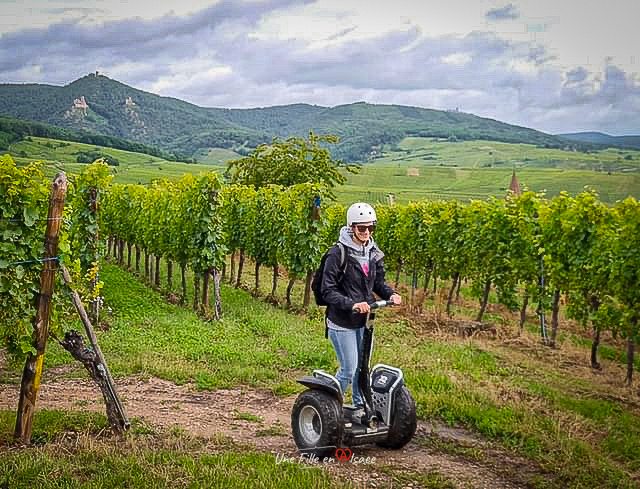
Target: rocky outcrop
[131,109]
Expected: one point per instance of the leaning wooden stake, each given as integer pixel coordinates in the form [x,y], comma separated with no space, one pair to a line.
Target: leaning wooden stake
[33,366]
[95,363]
[217,306]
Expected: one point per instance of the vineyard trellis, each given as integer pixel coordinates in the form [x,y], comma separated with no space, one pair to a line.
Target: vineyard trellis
[508,245]
[581,249]
[28,266]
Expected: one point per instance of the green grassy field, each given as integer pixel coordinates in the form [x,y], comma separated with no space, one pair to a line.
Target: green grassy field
[422,168]
[487,154]
[417,168]
[134,167]
[216,156]
[575,426]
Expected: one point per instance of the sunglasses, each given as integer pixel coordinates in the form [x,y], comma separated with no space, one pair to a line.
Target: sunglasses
[371,228]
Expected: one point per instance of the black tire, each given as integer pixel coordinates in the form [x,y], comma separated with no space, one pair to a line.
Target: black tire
[403,420]
[316,422]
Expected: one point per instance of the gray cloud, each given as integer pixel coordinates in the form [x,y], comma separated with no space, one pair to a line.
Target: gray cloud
[613,89]
[342,33]
[508,12]
[577,75]
[133,39]
[210,58]
[417,62]
[72,10]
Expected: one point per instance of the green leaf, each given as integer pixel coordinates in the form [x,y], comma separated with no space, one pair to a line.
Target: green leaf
[64,247]
[30,216]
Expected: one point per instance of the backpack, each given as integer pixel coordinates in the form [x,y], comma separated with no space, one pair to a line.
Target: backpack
[316,283]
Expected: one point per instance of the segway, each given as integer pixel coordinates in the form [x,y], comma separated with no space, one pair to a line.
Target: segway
[321,423]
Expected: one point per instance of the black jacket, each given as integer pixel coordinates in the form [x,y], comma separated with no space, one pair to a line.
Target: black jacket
[341,293]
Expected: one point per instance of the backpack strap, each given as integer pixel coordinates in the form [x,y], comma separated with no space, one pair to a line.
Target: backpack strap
[343,257]
[343,269]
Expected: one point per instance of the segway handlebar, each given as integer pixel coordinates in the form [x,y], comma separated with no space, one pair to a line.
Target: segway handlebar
[380,304]
[375,305]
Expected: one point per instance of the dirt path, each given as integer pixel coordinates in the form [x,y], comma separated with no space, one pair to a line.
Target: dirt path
[164,404]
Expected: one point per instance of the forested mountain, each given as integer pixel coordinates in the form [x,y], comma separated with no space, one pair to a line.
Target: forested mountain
[632,142]
[12,130]
[101,105]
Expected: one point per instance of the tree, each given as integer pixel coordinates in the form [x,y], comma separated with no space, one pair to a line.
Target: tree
[289,163]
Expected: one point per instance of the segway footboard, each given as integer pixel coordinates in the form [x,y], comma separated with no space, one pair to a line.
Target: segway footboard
[358,434]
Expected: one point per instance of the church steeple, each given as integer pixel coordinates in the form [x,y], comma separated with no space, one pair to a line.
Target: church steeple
[515,186]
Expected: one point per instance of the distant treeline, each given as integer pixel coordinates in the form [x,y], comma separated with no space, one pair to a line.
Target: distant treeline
[240,140]
[14,130]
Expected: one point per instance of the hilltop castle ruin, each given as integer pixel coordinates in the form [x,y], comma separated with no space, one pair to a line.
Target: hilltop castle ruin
[81,104]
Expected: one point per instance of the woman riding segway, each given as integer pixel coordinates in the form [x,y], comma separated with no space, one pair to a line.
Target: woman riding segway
[383,410]
[351,290]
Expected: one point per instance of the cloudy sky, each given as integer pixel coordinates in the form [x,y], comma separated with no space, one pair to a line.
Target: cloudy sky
[554,65]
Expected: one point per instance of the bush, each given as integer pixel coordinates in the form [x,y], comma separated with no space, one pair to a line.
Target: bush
[91,156]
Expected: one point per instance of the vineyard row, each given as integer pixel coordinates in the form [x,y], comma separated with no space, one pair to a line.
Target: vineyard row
[527,248]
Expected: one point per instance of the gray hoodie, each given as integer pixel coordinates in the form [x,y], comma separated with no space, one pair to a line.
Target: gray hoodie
[360,252]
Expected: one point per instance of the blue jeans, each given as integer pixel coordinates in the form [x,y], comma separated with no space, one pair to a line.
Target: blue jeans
[348,346]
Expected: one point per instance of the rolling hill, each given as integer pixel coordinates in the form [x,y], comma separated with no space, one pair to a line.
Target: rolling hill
[98,104]
[632,142]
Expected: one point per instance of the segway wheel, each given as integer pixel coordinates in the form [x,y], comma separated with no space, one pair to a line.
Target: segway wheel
[316,422]
[403,420]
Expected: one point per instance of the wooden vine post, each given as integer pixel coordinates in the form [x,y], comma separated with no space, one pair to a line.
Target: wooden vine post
[217,306]
[94,362]
[32,373]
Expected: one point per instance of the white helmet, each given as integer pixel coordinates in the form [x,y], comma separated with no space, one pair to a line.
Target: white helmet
[360,212]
